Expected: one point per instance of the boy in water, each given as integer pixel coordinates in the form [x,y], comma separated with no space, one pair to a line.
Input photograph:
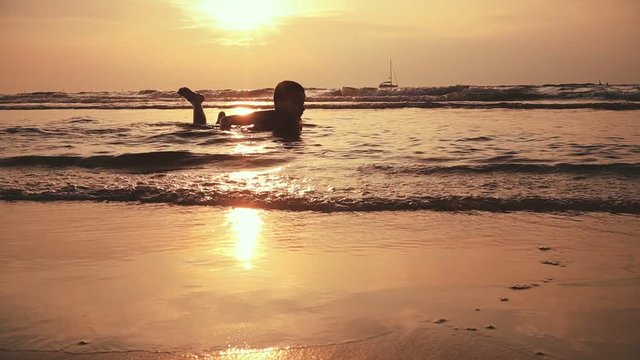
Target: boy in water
[284,121]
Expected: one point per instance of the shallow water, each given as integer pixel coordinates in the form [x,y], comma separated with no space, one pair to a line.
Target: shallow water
[347,160]
[345,260]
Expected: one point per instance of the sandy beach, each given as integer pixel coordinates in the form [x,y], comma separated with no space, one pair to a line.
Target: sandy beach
[319,179]
[163,282]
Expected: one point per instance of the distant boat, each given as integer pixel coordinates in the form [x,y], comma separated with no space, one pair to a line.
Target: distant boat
[389,83]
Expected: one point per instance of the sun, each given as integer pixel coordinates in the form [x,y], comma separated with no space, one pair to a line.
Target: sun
[239,15]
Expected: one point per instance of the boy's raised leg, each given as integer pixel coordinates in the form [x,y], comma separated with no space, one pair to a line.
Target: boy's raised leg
[199,118]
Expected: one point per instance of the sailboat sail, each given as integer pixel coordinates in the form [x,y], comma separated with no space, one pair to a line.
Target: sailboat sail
[389,83]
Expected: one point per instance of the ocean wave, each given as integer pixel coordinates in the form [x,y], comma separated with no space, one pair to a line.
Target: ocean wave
[23,130]
[630,92]
[552,96]
[82,120]
[619,169]
[480,105]
[146,162]
[150,194]
[346,105]
[56,131]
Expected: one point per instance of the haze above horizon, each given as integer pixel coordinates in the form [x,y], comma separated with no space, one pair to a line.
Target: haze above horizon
[111,45]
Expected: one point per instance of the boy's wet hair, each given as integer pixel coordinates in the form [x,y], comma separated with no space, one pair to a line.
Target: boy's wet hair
[285,88]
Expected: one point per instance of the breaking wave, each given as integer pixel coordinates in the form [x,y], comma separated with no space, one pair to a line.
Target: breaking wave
[549,96]
[619,169]
[150,194]
[149,161]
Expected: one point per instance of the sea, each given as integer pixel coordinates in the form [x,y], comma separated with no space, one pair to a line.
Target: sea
[569,147]
[429,222]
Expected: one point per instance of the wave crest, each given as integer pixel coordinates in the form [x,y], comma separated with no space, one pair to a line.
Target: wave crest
[148,162]
[623,169]
[150,194]
[548,96]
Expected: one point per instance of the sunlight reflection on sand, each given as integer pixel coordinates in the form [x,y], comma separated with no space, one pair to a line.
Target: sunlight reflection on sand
[246,225]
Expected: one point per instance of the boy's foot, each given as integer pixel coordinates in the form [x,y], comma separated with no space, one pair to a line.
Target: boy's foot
[192,97]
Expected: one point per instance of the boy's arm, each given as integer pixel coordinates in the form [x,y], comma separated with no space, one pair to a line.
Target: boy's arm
[256,118]
[227,121]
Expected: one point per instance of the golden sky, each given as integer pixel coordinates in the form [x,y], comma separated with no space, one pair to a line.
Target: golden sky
[77,45]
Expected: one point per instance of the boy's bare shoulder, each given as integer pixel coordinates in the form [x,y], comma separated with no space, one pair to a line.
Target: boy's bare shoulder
[264,120]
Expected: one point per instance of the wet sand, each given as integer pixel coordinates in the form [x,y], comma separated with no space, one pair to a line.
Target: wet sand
[423,343]
[115,281]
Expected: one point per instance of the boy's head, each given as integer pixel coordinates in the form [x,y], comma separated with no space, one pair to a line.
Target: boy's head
[288,98]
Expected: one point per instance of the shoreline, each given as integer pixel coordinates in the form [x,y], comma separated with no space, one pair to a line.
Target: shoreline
[430,342]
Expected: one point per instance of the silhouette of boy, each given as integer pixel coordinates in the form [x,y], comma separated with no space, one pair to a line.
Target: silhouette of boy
[284,121]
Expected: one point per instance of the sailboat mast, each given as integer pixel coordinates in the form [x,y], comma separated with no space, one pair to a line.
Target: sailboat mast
[389,83]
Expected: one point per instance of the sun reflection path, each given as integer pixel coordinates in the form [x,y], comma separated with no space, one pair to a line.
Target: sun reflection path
[266,182]
[248,149]
[254,354]
[246,225]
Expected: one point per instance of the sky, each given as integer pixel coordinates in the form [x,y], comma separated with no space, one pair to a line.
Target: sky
[91,45]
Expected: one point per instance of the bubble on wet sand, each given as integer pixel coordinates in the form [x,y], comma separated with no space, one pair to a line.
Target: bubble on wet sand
[521,286]
[551,262]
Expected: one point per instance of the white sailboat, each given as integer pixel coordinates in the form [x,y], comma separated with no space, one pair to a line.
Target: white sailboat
[389,83]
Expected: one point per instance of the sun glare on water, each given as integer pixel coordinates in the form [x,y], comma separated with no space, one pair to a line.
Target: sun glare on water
[239,15]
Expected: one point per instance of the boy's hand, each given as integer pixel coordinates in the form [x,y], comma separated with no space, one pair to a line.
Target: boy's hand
[225,124]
